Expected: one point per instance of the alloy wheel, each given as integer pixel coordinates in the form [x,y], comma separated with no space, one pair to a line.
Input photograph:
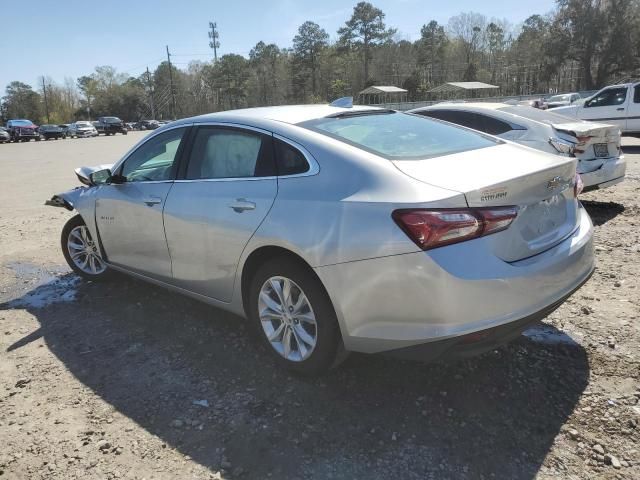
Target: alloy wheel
[84,252]
[287,318]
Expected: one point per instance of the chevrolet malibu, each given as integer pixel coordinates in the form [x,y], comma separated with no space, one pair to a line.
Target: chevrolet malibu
[337,229]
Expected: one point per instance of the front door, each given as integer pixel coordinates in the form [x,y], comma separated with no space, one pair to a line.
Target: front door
[210,215]
[129,213]
[607,106]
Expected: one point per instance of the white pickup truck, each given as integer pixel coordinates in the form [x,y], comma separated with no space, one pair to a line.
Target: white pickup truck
[616,105]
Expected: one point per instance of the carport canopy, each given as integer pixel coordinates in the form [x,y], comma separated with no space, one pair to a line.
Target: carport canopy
[451,87]
[381,94]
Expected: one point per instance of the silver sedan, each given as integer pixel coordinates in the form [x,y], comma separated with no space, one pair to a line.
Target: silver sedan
[337,229]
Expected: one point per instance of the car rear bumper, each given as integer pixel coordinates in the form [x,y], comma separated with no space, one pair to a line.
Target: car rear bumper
[401,301]
[611,172]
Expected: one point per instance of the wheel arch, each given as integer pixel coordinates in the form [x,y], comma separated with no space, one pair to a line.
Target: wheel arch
[263,254]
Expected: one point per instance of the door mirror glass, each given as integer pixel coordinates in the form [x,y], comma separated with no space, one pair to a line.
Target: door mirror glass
[100,177]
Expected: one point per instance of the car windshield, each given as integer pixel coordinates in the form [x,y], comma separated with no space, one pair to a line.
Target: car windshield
[48,126]
[22,123]
[83,124]
[560,98]
[399,136]
[542,116]
[112,120]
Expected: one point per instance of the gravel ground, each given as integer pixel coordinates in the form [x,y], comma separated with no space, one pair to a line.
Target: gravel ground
[126,380]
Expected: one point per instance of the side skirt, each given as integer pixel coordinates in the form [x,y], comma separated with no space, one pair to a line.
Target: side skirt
[202,298]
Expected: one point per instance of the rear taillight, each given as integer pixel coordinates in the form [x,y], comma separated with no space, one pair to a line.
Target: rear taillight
[563,146]
[436,228]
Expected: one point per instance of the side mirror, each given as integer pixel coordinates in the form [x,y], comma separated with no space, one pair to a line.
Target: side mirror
[100,177]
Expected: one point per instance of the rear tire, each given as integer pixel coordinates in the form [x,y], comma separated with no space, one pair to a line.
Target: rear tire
[81,252]
[302,325]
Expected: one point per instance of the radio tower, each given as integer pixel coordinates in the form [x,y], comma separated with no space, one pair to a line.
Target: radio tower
[213,42]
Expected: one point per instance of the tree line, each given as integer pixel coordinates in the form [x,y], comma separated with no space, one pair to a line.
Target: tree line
[581,45]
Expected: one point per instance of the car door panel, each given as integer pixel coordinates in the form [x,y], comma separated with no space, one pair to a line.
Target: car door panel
[129,221]
[633,112]
[129,210]
[208,223]
[227,189]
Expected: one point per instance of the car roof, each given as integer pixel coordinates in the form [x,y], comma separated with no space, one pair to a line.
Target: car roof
[291,114]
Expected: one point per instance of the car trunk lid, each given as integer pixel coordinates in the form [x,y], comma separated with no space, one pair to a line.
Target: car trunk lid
[595,142]
[539,184]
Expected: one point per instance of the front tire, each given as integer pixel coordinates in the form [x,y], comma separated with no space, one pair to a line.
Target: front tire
[81,252]
[294,317]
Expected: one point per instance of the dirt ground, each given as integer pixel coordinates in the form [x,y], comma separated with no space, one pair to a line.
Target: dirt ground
[126,380]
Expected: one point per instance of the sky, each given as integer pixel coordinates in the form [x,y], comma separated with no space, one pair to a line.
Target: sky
[131,35]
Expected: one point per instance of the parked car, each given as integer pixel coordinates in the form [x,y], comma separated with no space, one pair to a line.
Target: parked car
[537,103]
[82,129]
[4,135]
[110,126]
[64,127]
[617,104]
[22,130]
[51,131]
[340,229]
[148,124]
[562,100]
[595,145]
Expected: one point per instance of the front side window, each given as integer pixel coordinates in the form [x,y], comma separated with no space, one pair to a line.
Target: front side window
[220,152]
[399,136]
[611,96]
[154,160]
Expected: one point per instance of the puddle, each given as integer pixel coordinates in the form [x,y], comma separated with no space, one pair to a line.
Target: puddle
[38,286]
[549,336]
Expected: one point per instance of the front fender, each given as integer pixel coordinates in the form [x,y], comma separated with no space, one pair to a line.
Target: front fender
[82,200]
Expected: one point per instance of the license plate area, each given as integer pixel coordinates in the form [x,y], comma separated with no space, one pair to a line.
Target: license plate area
[601,149]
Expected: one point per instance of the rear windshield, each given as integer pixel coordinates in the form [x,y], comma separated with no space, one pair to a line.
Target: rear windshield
[400,136]
[112,120]
[537,115]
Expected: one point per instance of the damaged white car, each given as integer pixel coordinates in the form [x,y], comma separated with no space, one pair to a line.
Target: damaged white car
[595,145]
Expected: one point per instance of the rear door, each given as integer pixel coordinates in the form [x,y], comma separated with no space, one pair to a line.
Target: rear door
[129,214]
[228,186]
[608,105]
[633,118]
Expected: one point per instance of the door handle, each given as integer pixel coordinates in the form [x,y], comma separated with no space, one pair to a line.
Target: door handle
[241,204]
[150,201]
[620,109]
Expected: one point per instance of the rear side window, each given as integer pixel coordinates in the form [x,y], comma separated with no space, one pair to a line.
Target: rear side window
[636,94]
[399,136]
[229,153]
[289,160]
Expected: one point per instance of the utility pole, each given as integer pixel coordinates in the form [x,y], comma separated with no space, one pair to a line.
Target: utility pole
[150,85]
[173,95]
[214,43]
[46,103]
